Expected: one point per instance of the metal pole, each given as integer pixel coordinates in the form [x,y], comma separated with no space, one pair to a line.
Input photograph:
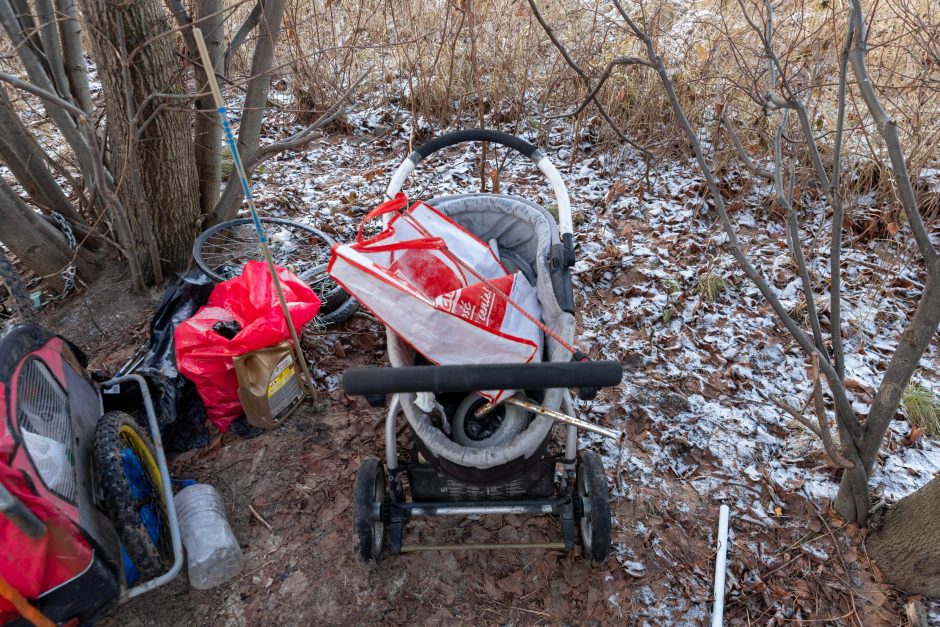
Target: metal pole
[718,609]
[565,418]
[262,239]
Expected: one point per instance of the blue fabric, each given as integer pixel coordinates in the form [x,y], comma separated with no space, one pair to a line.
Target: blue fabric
[131,574]
[141,490]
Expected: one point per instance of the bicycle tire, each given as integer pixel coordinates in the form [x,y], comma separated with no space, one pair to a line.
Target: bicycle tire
[339,315]
[19,295]
[222,250]
[117,431]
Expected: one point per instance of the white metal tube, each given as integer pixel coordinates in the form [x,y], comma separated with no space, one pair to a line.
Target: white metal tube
[398,178]
[167,486]
[721,560]
[391,447]
[565,225]
[544,164]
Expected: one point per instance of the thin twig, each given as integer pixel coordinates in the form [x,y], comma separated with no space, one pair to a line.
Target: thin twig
[584,78]
[259,518]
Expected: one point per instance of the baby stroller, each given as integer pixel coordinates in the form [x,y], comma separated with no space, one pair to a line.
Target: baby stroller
[86,508]
[502,462]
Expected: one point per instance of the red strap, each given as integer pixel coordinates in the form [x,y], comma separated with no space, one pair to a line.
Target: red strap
[399,202]
[424,243]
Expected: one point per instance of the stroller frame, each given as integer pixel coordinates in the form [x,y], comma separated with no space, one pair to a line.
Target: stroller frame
[400,510]
[523,484]
[154,427]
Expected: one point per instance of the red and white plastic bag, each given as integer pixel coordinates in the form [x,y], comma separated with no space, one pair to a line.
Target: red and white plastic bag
[421,276]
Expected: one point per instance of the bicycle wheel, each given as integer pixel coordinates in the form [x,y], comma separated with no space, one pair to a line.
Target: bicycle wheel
[132,488]
[331,295]
[223,250]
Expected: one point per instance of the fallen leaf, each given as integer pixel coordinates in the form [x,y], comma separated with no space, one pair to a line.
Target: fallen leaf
[912,437]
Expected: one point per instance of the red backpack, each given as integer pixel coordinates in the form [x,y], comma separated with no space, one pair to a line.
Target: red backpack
[58,550]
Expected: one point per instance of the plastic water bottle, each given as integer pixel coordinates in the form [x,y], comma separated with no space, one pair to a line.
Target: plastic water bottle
[212,552]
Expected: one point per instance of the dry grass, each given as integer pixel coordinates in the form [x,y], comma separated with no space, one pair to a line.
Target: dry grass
[922,407]
[710,287]
[489,62]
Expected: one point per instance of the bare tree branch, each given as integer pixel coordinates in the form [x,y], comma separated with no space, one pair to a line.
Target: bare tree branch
[889,132]
[58,109]
[585,80]
[115,211]
[305,134]
[819,408]
[793,238]
[72,56]
[47,96]
[592,96]
[253,110]
[835,199]
[739,148]
[241,35]
[45,14]
[805,342]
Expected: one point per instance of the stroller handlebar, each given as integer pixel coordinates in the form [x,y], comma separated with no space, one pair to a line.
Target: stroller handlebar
[518,144]
[473,378]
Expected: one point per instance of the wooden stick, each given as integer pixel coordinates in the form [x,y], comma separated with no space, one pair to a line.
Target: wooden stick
[259,518]
[217,96]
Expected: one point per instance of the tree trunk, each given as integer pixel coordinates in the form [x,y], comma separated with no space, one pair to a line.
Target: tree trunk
[27,48]
[19,295]
[20,152]
[70,31]
[21,156]
[907,545]
[49,35]
[153,146]
[35,242]
[208,133]
[249,131]
[911,345]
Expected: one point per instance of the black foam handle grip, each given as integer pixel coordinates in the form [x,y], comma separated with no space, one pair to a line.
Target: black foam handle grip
[475,135]
[440,379]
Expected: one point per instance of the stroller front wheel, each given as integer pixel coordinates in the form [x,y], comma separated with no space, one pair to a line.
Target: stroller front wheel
[595,499]
[368,523]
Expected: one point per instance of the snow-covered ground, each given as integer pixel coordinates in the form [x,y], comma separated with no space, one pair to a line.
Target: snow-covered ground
[705,372]
[701,372]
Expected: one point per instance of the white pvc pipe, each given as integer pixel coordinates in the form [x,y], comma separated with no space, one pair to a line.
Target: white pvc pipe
[721,560]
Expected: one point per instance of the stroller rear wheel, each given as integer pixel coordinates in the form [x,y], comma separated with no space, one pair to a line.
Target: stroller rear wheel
[130,481]
[368,521]
[595,500]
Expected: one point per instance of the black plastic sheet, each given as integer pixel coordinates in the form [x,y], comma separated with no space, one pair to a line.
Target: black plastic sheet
[179,409]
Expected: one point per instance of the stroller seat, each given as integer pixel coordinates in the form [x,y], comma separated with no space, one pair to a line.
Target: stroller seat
[529,232]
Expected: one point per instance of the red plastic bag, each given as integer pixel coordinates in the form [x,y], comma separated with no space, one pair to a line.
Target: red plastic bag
[205,357]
